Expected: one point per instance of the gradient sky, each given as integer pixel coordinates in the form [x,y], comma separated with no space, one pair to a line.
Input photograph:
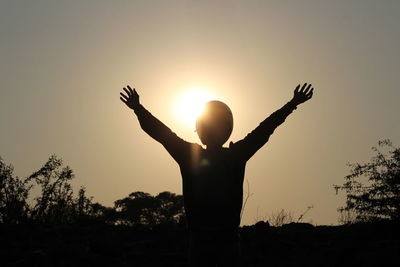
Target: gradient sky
[63,63]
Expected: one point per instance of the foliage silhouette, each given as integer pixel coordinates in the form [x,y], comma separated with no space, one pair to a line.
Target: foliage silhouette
[373,188]
[141,208]
[280,218]
[13,196]
[56,203]
[68,242]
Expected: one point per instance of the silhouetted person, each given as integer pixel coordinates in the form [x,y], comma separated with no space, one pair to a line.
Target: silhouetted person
[213,177]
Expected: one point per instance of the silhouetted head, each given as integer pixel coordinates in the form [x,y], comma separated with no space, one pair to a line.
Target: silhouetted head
[215,124]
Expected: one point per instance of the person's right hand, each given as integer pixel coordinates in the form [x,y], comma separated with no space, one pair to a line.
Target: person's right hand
[131,99]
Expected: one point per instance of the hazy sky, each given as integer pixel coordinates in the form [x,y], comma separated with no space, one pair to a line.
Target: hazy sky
[63,63]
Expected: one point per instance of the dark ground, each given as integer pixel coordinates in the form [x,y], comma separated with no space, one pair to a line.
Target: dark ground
[295,244]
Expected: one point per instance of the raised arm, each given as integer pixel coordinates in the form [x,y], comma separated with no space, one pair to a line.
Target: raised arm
[246,147]
[176,147]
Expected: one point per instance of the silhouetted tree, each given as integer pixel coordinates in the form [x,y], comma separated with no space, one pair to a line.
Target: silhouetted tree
[55,203]
[378,195]
[141,208]
[135,209]
[13,195]
[100,213]
[83,203]
[86,210]
[170,208]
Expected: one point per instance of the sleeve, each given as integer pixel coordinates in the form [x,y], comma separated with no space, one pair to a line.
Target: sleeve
[248,146]
[176,147]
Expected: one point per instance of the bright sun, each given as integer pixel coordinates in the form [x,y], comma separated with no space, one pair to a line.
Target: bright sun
[190,105]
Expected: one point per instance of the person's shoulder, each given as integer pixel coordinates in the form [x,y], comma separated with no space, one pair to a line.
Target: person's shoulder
[195,147]
[234,145]
[235,149]
[231,144]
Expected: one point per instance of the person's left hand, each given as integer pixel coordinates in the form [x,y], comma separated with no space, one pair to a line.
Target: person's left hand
[302,95]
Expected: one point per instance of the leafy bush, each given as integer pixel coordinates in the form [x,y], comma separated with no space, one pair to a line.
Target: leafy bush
[373,189]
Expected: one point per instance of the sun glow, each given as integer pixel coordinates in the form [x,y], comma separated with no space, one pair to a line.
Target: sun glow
[191,104]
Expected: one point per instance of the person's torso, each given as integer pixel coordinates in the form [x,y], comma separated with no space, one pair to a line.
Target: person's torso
[213,189]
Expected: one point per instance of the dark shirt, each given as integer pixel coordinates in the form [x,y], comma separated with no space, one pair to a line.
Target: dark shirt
[212,179]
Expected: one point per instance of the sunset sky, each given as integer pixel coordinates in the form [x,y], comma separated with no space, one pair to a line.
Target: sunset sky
[63,64]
